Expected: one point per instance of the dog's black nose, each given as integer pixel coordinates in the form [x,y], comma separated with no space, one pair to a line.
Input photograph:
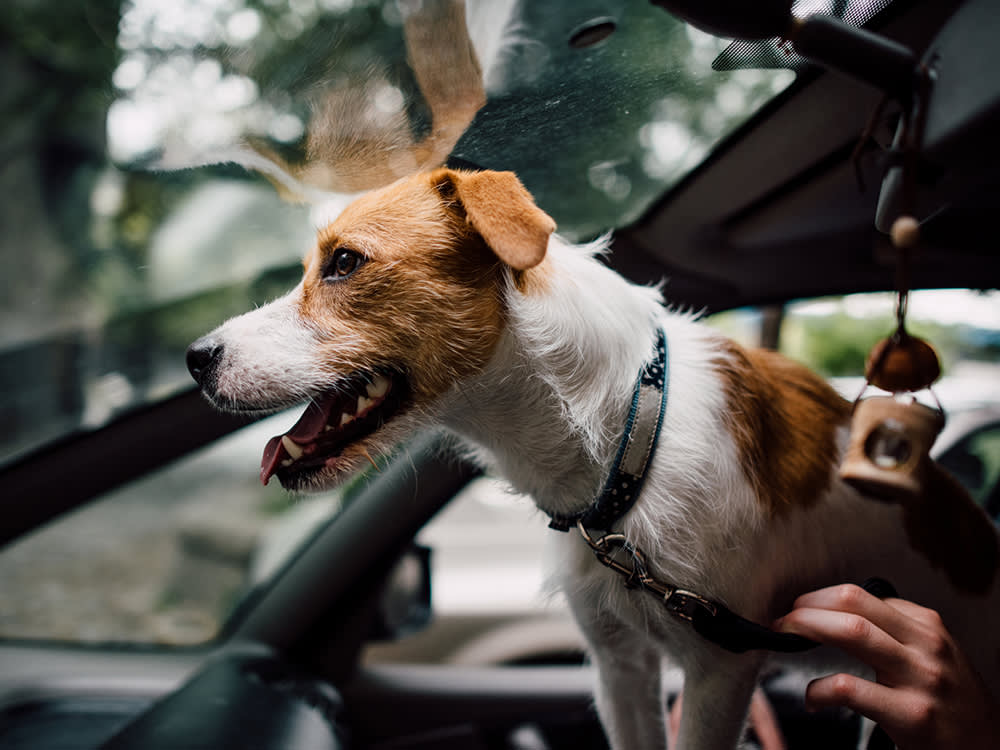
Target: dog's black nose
[202,357]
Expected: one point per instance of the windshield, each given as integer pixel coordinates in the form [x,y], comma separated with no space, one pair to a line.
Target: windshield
[166,162]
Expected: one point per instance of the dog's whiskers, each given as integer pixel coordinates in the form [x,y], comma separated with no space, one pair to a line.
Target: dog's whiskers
[366,454]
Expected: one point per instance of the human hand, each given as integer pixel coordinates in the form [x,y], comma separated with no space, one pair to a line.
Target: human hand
[926,694]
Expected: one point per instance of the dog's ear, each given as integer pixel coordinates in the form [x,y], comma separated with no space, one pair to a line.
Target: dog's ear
[503,212]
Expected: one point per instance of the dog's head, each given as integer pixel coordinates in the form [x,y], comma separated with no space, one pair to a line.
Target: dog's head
[402,298]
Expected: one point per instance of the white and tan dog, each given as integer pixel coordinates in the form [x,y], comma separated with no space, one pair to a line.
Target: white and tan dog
[446,298]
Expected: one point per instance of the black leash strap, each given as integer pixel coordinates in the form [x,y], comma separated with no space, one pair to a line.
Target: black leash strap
[738,634]
[710,619]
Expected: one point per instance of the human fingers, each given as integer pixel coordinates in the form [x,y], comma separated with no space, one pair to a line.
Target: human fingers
[896,620]
[922,621]
[927,693]
[914,717]
[877,702]
[926,648]
[853,633]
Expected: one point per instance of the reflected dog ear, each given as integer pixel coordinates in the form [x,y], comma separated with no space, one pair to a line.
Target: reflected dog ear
[503,212]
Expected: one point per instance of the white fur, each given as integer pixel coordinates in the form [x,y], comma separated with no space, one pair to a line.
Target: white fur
[546,413]
[272,351]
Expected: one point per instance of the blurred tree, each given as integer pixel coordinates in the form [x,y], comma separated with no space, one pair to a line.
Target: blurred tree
[837,345]
[52,107]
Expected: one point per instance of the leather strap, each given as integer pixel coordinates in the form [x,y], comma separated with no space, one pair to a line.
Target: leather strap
[738,634]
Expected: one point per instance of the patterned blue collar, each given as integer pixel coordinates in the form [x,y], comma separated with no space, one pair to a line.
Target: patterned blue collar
[638,443]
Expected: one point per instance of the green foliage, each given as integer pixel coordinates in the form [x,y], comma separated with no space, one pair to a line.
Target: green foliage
[837,345]
[833,339]
[67,54]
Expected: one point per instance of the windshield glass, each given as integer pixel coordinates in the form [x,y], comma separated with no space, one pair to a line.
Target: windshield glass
[166,161]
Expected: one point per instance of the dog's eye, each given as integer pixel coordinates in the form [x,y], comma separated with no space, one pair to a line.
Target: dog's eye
[343,263]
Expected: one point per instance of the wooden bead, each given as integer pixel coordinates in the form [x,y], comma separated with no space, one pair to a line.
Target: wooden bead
[902,364]
[905,232]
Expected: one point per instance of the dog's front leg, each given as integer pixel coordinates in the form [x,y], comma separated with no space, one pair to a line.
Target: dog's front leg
[717,694]
[629,697]
[628,693]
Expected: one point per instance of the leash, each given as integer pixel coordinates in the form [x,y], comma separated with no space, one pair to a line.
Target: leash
[709,618]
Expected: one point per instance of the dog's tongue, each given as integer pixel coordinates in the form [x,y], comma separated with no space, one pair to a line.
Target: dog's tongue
[309,426]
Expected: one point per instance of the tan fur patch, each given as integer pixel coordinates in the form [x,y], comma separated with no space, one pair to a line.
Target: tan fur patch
[427,299]
[783,419]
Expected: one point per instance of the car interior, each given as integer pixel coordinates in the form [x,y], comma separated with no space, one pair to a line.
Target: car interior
[782,196]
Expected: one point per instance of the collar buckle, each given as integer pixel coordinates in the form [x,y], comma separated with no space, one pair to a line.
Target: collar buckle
[686,604]
[606,549]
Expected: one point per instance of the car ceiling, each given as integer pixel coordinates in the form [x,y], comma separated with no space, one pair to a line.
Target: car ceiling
[776,212]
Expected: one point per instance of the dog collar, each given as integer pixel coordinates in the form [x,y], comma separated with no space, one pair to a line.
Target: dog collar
[635,451]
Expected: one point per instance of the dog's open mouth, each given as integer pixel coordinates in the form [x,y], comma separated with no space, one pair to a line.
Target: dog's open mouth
[335,419]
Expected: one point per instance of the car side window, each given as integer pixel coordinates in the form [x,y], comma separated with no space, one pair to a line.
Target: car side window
[975,462]
[164,560]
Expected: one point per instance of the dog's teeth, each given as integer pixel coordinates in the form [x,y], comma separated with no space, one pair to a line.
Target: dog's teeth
[378,387]
[287,462]
[295,451]
[346,418]
[363,403]
[327,428]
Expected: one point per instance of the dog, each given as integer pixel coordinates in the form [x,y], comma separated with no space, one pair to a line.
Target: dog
[446,298]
